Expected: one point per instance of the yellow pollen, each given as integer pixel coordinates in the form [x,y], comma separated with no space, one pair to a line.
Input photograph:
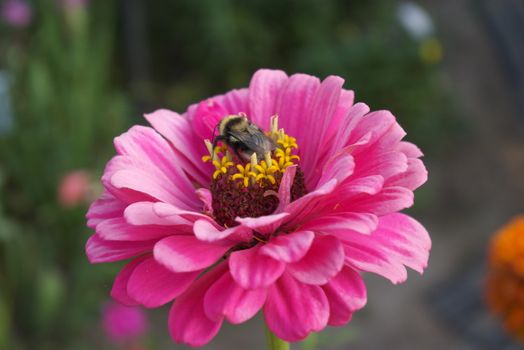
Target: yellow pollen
[244,174]
[221,166]
[220,158]
[287,142]
[262,172]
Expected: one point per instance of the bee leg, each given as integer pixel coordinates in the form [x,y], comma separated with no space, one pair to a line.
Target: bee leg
[216,139]
[241,156]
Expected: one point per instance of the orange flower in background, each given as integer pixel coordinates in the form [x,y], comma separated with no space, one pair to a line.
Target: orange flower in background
[505,282]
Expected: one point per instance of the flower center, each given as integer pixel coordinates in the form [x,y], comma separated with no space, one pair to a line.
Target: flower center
[250,188]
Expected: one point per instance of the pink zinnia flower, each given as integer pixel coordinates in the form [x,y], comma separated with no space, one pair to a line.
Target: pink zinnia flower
[288,235]
[17,13]
[123,323]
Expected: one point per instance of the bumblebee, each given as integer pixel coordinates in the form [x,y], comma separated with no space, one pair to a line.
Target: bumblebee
[243,137]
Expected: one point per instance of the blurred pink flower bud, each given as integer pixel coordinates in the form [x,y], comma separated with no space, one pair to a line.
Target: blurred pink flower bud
[123,323]
[17,13]
[74,188]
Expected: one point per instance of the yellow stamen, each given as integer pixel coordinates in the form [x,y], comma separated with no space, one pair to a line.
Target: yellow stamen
[209,147]
[267,157]
[244,174]
[274,124]
[221,163]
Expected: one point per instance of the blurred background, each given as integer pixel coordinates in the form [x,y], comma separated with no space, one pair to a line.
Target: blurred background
[76,73]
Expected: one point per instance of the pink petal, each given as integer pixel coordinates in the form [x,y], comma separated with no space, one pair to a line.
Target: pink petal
[266,224]
[358,145]
[386,165]
[100,250]
[235,101]
[188,147]
[406,238]
[399,240]
[323,260]
[340,222]
[146,144]
[415,175]
[347,126]
[118,229]
[263,91]
[186,253]
[339,167]
[207,232]
[143,213]
[142,181]
[316,123]
[206,198]
[188,322]
[389,200]
[293,103]
[119,290]
[207,115]
[293,310]
[409,149]
[226,298]
[391,136]
[105,207]
[378,124]
[134,180]
[342,199]
[340,116]
[370,185]
[289,248]
[303,207]
[284,190]
[346,293]
[364,255]
[152,285]
[251,269]
[340,121]
[126,195]
[165,210]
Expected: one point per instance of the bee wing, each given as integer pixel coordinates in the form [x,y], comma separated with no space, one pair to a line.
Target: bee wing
[255,141]
[265,144]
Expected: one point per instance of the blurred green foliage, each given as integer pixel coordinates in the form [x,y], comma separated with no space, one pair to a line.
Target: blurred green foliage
[68,105]
[67,110]
[218,44]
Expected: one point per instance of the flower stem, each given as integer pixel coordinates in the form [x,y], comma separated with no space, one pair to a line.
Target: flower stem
[274,342]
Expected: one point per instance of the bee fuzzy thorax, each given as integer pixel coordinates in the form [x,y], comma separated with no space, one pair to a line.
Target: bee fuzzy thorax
[235,122]
[243,178]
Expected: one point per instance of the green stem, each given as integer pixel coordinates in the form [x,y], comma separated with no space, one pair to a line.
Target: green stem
[274,342]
